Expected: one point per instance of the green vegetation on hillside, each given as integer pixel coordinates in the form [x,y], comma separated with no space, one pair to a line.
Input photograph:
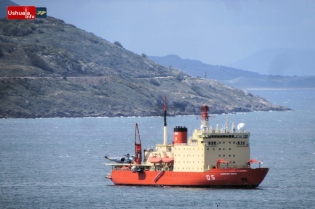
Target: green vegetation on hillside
[52,69]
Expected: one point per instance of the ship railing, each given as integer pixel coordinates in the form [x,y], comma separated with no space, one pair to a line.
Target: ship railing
[186,144]
[180,144]
[211,131]
[245,145]
[123,168]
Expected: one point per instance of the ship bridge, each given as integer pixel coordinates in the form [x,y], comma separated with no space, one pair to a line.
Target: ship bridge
[207,146]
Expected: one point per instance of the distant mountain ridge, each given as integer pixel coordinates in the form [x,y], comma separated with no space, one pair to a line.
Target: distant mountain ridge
[283,62]
[198,69]
[232,76]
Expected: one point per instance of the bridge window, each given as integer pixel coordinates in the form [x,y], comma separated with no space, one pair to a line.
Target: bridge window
[240,143]
[212,143]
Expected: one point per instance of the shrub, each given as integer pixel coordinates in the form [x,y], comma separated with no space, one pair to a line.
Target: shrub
[179,77]
[197,90]
[38,62]
[154,82]
[144,55]
[118,44]
[14,30]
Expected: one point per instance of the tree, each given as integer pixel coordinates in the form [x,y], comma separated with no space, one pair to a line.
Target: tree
[118,44]
[144,55]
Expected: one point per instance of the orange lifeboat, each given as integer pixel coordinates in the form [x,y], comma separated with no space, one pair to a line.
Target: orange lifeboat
[155,160]
[168,159]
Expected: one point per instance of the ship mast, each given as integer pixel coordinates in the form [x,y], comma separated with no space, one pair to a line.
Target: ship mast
[165,125]
[138,155]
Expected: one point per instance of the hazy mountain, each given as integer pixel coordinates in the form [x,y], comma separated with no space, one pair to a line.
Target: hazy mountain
[284,62]
[52,69]
[232,76]
[197,68]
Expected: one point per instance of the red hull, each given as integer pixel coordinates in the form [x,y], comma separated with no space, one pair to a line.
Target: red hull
[234,177]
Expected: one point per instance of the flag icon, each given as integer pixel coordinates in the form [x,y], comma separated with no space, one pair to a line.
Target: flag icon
[41,12]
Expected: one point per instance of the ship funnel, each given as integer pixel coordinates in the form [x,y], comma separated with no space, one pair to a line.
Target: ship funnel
[204,117]
[180,135]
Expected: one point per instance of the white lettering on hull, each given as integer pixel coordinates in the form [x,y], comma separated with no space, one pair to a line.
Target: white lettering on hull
[210,177]
[228,174]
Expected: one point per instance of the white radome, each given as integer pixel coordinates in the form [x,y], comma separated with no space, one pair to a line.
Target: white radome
[241,126]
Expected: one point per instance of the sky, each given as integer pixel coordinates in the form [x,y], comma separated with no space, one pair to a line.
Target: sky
[217,32]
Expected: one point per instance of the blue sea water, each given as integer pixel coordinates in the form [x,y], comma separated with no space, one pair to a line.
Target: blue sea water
[58,163]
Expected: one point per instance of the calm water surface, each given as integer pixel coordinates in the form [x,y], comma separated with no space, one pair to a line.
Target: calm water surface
[58,163]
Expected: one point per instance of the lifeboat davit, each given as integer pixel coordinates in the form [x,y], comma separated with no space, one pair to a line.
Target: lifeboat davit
[155,159]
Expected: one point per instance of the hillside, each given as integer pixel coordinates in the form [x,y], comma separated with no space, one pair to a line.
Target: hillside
[52,69]
[234,77]
[3,7]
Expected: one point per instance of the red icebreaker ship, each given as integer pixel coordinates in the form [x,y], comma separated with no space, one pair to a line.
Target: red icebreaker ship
[209,158]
